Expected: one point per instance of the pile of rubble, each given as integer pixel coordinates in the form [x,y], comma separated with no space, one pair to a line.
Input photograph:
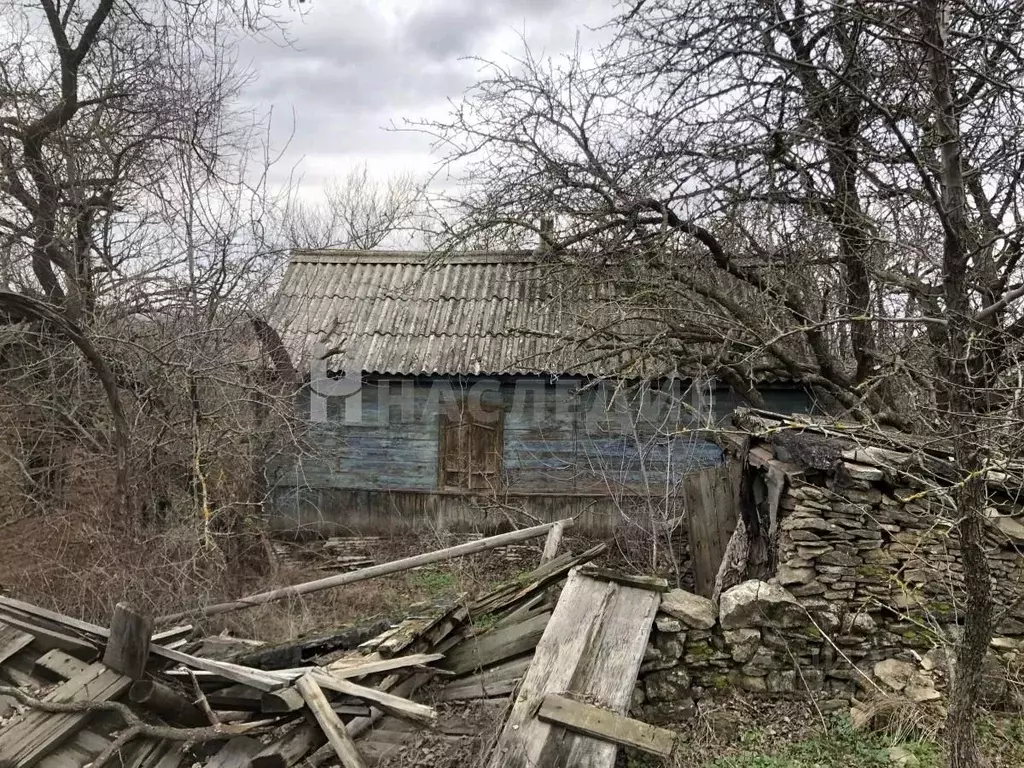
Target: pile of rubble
[563,644]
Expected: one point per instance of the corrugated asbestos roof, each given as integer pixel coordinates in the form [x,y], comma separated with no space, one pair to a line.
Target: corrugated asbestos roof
[411,313]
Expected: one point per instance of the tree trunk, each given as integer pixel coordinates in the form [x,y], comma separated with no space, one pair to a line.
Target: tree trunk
[961,734]
[965,386]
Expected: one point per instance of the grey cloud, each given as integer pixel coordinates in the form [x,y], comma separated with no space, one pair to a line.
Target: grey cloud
[356,66]
[450,31]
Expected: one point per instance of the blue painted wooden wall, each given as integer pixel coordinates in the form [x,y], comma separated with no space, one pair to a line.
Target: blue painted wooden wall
[561,437]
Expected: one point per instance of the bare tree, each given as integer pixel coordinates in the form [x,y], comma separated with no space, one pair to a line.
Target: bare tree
[357,211]
[134,211]
[825,192]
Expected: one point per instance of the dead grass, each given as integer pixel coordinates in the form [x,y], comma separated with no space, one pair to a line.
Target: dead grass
[82,565]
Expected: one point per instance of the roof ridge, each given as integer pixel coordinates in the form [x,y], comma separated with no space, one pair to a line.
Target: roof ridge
[425,258]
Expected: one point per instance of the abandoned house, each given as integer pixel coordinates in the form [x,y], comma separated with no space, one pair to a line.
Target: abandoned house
[454,391]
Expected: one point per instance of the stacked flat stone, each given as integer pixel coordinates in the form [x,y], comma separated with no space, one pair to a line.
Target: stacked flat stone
[868,576]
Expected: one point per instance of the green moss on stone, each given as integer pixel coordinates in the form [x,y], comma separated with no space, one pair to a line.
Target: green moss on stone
[700,651]
[872,571]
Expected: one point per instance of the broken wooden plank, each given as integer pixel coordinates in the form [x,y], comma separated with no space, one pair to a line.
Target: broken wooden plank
[355,667]
[373,572]
[38,733]
[237,753]
[496,681]
[603,724]
[387,702]
[510,596]
[428,634]
[640,582]
[497,645]
[127,648]
[301,739]
[57,665]
[329,722]
[29,610]
[12,640]
[254,678]
[361,725]
[172,635]
[404,634]
[147,753]
[78,750]
[282,700]
[592,647]
[50,638]
[240,697]
[535,606]
[167,755]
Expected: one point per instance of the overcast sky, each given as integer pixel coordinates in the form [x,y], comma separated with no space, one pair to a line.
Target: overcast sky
[359,66]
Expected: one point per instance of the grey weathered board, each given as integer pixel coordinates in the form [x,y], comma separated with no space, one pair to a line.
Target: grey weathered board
[38,733]
[237,753]
[711,501]
[592,648]
[584,718]
[12,640]
[496,681]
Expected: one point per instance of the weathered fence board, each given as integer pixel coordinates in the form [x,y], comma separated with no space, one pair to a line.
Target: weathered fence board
[592,648]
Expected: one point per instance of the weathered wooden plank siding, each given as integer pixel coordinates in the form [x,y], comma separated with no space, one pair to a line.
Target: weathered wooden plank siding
[384,449]
[557,440]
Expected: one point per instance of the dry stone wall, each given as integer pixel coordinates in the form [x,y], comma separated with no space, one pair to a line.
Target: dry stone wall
[865,597]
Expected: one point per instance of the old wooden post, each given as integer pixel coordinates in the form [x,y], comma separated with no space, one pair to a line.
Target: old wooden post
[128,645]
[551,543]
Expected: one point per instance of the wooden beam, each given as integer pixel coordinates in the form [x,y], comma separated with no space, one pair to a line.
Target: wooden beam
[240,697]
[57,665]
[355,667]
[254,678]
[237,753]
[603,724]
[505,597]
[552,542]
[640,582]
[172,635]
[373,572]
[127,649]
[496,681]
[329,722]
[283,700]
[27,609]
[393,705]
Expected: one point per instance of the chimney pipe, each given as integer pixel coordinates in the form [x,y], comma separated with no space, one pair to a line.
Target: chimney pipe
[546,227]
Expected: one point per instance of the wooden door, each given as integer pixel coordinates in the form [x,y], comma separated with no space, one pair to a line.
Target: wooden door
[471,450]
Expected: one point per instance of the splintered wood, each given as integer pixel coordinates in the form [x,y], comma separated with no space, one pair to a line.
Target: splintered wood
[592,649]
[573,657]
[31,738]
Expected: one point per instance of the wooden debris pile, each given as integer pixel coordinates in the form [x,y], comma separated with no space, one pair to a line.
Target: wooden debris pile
[350,553]
[76,694]
[338,553]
